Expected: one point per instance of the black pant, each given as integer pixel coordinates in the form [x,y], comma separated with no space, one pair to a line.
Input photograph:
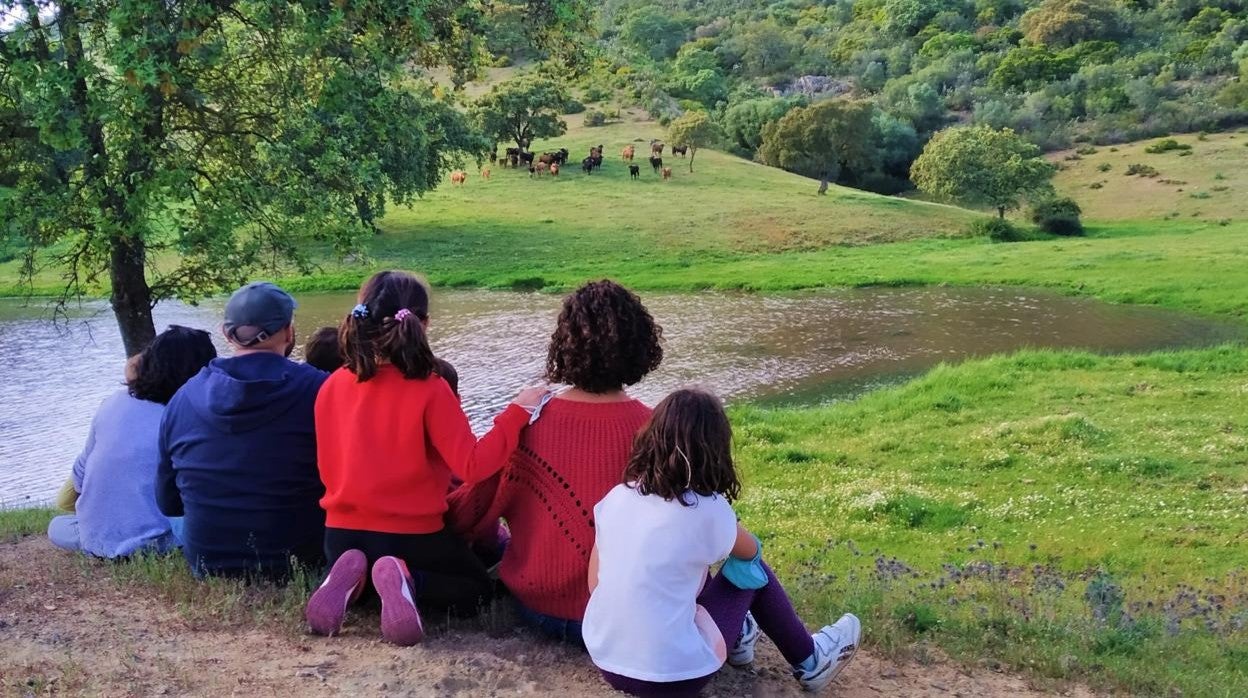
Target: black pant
[445,573]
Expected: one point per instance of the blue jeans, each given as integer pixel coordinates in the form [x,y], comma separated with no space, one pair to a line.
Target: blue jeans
[560,629]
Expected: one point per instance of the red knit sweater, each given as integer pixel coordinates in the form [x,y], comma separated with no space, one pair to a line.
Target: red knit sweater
[567,461]
[387,447]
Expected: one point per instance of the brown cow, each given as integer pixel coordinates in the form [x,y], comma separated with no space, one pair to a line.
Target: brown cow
[459,177]
[628,153]
[656,148]
[667,173]
[540,168]
[554,169]
[485,173]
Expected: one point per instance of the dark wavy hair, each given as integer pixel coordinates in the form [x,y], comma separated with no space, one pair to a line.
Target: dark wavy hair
[686,446]
[605,339]
[169,361]
[321,350]
[371,331]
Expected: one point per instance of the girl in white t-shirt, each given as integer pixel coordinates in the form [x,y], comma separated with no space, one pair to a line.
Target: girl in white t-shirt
[657,624]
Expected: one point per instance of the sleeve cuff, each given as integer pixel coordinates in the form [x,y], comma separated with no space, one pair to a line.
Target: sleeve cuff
[514,417]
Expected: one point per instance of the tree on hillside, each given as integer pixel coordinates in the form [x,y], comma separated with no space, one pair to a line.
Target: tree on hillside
[980,166]
[521,110]
[695,130]
[744,121]
[171,149]
[823,140]
[1062,23]
[654,31]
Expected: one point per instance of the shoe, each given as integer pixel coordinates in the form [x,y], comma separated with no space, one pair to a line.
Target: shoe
[742,653]
[400,621]
[503,536]
[835,646]
[328,604]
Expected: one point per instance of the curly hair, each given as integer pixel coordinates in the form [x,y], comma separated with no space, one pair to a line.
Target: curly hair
[605,339]
[686,446]
[170,360]
[378,329]
[321,350]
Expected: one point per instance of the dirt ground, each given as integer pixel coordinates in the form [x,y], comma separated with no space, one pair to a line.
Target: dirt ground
[65,630]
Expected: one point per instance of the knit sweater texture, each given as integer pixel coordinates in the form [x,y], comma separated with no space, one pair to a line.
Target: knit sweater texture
[567,461]
[387,448]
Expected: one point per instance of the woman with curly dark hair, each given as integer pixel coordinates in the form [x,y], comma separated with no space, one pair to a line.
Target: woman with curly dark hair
[115,476]
[605,341]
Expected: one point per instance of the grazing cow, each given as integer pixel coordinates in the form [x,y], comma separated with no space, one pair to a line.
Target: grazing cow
[634,171]
[561,155]
[587,165]
[628,153]
[656,148]
[554,169]
[458,177]
[513,156]
[485,173]
[680,150]
[526,158]
[667,173]
[656,162]
[540,168]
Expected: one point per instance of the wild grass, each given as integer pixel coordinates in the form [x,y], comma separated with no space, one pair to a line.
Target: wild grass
[16,523]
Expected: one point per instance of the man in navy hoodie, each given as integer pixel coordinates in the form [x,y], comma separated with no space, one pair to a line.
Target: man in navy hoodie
[238,448]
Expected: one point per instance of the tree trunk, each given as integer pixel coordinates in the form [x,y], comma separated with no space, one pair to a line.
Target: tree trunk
[823,184]
[131,298]
[692,152]
[1001,212]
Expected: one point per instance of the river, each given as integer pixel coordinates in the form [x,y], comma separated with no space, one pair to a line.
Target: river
[798,348]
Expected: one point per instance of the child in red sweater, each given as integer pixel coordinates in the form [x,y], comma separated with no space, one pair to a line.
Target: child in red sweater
[390,434]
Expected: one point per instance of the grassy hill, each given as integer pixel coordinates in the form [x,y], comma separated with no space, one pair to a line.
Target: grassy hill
[1207,182]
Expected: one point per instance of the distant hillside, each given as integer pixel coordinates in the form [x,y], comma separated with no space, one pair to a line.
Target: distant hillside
[1206,179]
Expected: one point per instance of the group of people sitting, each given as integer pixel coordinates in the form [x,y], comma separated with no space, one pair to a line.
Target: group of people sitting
[601,518]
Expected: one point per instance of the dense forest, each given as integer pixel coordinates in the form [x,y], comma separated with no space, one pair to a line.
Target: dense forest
[1060,72]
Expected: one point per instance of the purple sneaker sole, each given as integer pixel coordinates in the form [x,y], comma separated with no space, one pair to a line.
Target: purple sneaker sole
[328,604]
[400,621]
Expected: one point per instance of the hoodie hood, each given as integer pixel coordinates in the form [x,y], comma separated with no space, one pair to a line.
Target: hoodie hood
[243,393]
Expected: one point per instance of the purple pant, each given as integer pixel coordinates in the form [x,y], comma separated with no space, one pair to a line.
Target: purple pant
[727,605]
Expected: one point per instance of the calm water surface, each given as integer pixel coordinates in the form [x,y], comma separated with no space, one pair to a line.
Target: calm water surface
[792,348]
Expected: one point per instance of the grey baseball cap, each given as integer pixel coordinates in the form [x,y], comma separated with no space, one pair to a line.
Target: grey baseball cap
[256,311]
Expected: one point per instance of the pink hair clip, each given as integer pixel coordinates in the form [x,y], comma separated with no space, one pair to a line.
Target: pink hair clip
[402,315]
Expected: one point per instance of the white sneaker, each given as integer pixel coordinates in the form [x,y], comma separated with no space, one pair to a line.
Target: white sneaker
[835,645]
[742,653]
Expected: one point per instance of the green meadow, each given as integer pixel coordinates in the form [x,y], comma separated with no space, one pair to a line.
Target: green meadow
[1079,517]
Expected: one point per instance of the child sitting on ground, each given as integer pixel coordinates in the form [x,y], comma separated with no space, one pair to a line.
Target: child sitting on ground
[390,434]
[655,624]
[322,351]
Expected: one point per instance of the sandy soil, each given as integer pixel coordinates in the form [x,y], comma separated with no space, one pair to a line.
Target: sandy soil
[67,629]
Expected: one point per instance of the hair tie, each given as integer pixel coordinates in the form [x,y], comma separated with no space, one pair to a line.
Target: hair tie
[402,315]
[360,311]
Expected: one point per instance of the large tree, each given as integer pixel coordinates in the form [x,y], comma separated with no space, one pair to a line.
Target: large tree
[694,130]
[522,109]
[171,149]
[822,140]
[1067,22]
[981,166]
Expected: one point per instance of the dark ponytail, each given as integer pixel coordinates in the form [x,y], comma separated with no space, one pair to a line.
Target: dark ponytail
[388,324]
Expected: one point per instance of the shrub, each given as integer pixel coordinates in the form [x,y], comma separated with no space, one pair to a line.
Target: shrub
[1086,150]
[1096,185]
[573,107]
[1141,170]
[995,229]
[1058,216]
[1104,167]
[595,118]
[1201,195]
[1166,145]
[596,94]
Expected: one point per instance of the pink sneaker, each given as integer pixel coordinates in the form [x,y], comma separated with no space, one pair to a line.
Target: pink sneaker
[328,604]
[400,621]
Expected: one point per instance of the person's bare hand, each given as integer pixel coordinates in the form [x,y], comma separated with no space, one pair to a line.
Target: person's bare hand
[530,397]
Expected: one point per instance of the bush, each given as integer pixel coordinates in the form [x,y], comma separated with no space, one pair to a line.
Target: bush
[573,107]
[596,94]
[1086,150]
[995,229]
[1058,216]
[595,118]
[1165,146]
[1141,170]
[1104,167]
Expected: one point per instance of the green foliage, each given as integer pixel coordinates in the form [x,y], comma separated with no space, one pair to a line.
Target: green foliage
[1067,22]
[522,110]
[979,166]
[743,121]
[1057,216]
[995,229]
[1165,146]
[821,140]
[695,130]
[595,118]
[654,32]
[226,137]
[1142,170]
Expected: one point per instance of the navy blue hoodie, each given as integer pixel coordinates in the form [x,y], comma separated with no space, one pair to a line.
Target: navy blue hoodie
[238,460]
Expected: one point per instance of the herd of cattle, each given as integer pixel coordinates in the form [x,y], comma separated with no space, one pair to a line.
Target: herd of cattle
[554,161]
